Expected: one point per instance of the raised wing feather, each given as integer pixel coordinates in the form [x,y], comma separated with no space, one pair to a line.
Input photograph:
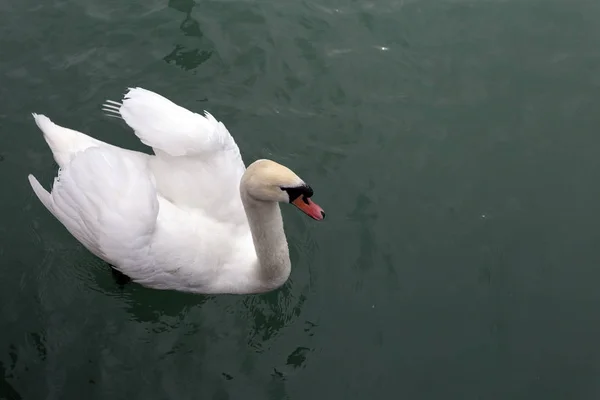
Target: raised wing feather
[197,164]
[172,129]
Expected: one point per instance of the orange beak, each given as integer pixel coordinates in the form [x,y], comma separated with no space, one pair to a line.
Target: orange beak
[309,208]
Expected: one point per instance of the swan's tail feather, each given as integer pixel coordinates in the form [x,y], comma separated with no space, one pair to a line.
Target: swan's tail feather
[45,125]
[63,142]
[41,193]
[52,136]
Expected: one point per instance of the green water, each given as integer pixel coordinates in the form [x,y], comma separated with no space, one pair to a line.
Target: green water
[453,144]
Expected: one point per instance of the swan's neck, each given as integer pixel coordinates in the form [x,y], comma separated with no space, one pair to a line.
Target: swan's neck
[271,246]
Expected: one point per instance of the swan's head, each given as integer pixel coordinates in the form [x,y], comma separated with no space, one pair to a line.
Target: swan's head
[266,180]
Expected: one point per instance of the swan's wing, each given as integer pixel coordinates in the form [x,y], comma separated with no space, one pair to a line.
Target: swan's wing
[172,129]
[198,163]
[108,202]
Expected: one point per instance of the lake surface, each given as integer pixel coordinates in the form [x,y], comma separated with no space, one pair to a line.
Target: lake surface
[454,145]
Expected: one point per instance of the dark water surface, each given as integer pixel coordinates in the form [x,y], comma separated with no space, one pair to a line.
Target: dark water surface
[454,144]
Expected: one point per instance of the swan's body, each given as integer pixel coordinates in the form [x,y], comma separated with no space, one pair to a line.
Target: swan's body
[191,217]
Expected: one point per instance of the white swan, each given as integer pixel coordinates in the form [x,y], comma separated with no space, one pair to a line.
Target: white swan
[191,217]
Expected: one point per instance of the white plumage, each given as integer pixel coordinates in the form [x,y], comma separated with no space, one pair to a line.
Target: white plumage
[190,217]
